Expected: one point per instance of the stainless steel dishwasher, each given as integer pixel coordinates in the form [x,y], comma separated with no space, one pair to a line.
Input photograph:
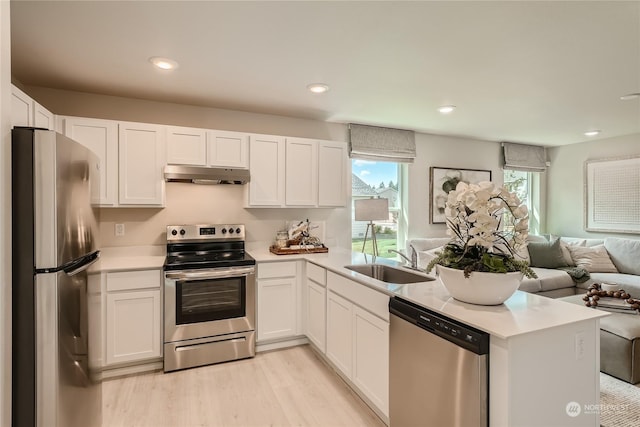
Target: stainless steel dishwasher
[438,369]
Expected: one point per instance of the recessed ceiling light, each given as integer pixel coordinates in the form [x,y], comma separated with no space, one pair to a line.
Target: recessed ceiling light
[446,109]
[163,63]
[630,96]
[318,87]
[592,132]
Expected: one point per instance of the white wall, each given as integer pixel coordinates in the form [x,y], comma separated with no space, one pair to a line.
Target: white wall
[449,152]
[198,204]
[565,182]
[5,214]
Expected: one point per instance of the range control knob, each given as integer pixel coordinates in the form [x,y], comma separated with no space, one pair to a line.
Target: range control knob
[182,232]
[238,230]
[224,231]
[231,230]
[174,232]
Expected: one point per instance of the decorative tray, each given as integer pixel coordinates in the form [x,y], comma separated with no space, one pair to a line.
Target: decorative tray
[301,250]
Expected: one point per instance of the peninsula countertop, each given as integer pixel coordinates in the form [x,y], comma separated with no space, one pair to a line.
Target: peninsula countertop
[521,314]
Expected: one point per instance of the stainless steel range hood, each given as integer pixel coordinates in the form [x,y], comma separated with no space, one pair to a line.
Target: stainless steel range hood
[205,175]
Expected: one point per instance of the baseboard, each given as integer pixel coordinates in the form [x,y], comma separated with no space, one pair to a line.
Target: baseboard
[281,343]
[123,371]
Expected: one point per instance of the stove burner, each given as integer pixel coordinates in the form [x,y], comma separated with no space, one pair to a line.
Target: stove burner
[200,248]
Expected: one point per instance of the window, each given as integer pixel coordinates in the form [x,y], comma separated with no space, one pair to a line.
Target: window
[524,184]
[376,179]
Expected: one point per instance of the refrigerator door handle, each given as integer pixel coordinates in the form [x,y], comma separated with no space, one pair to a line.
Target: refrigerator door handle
[81,264]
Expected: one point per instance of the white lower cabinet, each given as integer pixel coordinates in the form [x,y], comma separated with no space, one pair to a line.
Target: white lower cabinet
[316,314]
[133,323]
[340,332]
[278,296]
[370,371]
[315,305]
[358,337]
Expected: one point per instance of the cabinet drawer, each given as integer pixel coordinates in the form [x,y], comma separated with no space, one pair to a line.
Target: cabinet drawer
[367,298]
[276,269]
[127,280]
[317,274]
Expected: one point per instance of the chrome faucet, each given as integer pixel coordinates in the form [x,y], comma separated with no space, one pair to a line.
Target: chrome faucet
[414,257]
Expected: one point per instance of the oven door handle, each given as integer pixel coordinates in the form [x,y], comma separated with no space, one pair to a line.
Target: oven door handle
[210,274]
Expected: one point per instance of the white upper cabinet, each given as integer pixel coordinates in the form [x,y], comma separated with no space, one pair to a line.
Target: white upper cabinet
[101,137]
[266,162]
[186,146]
[141,164]
[297,172]
[202,147]
[27,112]
[21,108]
[43,118]
[227,149]
[301,172]
[332,174]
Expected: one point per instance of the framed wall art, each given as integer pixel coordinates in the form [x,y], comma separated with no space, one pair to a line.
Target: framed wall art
[612,195]
[442,181]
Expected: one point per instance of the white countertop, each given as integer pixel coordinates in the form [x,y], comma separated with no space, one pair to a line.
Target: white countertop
[129,258]
[521,314]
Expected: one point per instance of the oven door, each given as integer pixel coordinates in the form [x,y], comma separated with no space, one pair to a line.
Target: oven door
[208,302]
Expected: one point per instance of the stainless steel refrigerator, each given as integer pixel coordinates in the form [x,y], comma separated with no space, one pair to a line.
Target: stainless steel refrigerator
[54,231]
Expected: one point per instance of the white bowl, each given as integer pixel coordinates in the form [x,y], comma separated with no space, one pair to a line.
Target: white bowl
[609,287]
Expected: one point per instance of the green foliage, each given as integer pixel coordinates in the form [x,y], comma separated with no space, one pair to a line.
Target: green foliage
[476,258]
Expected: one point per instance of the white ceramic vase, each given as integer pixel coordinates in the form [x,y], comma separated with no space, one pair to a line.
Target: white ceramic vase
[480,288]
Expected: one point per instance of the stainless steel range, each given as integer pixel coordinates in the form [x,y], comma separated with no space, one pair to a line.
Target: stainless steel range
[209,296]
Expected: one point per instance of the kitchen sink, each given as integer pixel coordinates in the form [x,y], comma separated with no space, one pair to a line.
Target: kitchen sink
[388,274]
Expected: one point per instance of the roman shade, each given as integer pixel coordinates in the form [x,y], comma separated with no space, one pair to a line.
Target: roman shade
[522,157]
[382,144]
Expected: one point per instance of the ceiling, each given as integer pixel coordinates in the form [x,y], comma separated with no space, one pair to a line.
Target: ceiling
[530,72]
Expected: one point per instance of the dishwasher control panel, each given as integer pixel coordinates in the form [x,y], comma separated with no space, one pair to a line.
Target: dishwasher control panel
[452,330]
[449,328]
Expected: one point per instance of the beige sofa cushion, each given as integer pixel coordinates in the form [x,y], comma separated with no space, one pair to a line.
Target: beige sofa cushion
[625,254]
[594,260]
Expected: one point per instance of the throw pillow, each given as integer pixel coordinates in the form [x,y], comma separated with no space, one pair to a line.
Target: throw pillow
[546,254]
[594,259]
[624,253]
[565,242]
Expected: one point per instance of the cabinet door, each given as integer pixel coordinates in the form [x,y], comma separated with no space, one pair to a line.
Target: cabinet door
[101,137]
[21,108]
[332,173]
[186,146]
[133,326]
[301,172]
[227,149]
[43,118]
[316,314]
[266,161]
[141,166]
[277,304]
[371,357]
[339,332]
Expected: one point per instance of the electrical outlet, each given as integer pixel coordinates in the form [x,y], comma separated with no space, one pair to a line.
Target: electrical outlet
[119,229]
[579,345]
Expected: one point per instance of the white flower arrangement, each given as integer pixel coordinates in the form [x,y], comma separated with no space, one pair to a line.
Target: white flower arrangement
[481,240]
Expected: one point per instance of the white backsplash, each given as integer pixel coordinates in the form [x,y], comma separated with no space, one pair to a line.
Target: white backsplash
[215,204]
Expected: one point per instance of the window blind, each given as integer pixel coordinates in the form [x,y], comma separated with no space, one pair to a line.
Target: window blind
[383,144]
[522,157]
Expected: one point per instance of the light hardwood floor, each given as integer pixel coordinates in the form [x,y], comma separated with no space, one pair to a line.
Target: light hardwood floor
[290,387]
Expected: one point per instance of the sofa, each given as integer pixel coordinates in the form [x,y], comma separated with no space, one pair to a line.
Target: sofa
[608,260]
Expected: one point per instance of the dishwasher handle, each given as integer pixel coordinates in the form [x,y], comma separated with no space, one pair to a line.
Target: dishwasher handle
[464,336]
